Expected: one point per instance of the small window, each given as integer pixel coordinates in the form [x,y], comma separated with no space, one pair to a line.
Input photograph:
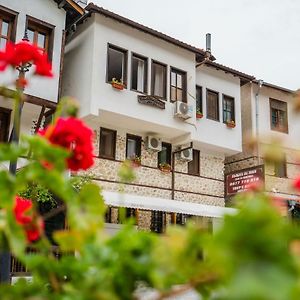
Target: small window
[158,221]
[4,124]
[194,165]
[8,20]
[108,213]
[133,146]
[164,156]
[279,121]
[199,108]
[139,71]
[41,34]
[178,85]
[280,168]
[158,80]
[212,105]
[116,64]
[228,109]
[107,143]
[182,219]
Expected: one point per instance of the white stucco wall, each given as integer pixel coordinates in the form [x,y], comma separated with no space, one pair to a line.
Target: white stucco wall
[47,11]
[212,132]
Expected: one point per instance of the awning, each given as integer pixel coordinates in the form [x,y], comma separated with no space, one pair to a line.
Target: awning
[167,205]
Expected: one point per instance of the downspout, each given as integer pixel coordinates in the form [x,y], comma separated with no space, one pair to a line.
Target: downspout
[260,84]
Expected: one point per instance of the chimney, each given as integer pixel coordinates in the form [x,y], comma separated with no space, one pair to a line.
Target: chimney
[208,45]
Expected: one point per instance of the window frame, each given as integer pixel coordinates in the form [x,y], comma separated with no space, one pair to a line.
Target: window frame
[156,226]
[125,71]
[277,168]
[138,140]
[201,100]
[284,129]
[164,97]
[169,154]
[197,173]
[45,28]
[114,132]
[218,105]
[184,84]
[6,133]
[11,17]
[223,107]
[145,59]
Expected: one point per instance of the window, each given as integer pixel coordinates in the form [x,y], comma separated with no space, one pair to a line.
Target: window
[107,143]
[158,80]
[8,24]
[133,146]
[194,165]
[178,85]
[164,156]
[199,99]
[280,168]
[116,64]
[41,34]
[212,105]
[279,120]
[139,71]
[4,124]
[228,109]
[158,221]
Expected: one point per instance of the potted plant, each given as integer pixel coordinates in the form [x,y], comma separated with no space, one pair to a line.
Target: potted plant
[165,167]
[136,161]
[199,114]
[119,85]
[230,124]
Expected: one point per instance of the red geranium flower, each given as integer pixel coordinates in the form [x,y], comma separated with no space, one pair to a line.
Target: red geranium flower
[33,225]
[24,52]
[74,135]
[296,183]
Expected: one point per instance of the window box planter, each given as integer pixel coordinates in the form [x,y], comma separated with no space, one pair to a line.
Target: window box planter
[199,115]
[165,168]
[136,161]
[230,124]
[118,85]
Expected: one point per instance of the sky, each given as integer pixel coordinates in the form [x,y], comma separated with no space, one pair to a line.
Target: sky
[258,37]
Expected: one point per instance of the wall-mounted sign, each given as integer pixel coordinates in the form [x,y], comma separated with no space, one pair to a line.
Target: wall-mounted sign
[152,101]
[240,180]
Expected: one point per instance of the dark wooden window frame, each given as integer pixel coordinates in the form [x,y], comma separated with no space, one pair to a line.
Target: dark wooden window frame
[201,100]
[8,112]
[184,83]
[46,28]
[169,157]
[138,139]
[152,78]
[125,52]
[218,105]
[11,17]
[145,59]
[114,132]
[198,171]
[275,128]
[223,108]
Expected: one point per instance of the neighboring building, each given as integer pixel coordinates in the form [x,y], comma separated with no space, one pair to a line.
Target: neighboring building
[272,118]
[45,22]
[139,90]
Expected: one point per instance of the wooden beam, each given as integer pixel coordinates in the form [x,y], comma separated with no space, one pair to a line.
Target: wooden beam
[77,7]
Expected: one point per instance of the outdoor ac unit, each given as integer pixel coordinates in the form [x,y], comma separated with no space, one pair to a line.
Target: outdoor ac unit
[186,155]
[183,110]
[153,143]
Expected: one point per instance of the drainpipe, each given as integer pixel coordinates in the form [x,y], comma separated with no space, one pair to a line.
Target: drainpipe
[260,84]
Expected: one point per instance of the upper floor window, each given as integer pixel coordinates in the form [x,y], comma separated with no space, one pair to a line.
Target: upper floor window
[8,20]
[178,85]
[116,64]
[194,165]
[279,119]
[199,108]
[139,71]
[41,34]
[4,124]
[133,146]
[280,168]
[228,109]
[158,80]
[212,105]
[164,156]
[107,143]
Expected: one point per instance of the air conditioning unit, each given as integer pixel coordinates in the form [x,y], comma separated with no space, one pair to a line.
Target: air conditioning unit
[183,110]
[153,143]
[186,155]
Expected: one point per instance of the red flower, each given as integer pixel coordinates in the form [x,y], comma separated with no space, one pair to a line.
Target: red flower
[24,215]
[24,52]
[21,83]
[74,135]
[296,183]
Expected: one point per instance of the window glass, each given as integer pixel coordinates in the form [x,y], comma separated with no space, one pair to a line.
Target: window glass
[164,156]
[158,221]
[107,143]
[158,80]
[178,85]
[116,65]
[279,120]
[228,109]
[199,99]
[280,168]
[139,74]
[7,27]
[194,165]
[133,146]
[212,105]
